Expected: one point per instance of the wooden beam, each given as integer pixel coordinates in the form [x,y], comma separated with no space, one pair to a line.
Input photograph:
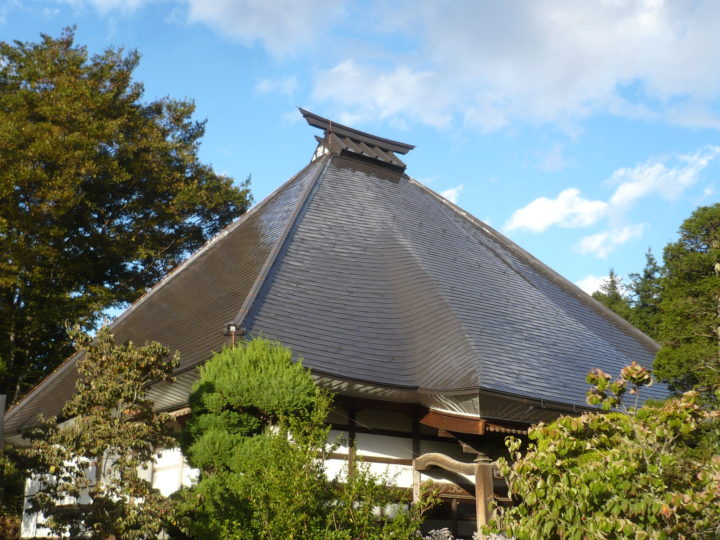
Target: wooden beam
[360,403]
[483,493]
[453,422]
[372,459]
[426,461]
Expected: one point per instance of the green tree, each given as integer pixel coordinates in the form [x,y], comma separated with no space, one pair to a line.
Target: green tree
[612,295]
[12,486]
[88,470]
[645,291]
[101,195]
[258,434]
[690,306]
[634,473]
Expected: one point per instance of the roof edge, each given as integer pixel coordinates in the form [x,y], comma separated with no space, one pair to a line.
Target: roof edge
[551,274]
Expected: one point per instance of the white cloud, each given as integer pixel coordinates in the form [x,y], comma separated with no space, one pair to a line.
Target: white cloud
[668,178]
[281,26]
[488,64]
[590,283]
[452,194]
[372,93]
[550,61]
[568,209]
[658,178]
[106,6]
[601,244]
[286,85]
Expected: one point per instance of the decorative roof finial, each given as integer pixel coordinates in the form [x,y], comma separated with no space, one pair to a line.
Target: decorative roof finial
[351,142]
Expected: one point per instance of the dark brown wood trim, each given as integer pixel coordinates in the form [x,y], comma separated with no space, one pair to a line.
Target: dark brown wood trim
[352,427]
[373,459]
[388,432]
[451,422]
[359,403]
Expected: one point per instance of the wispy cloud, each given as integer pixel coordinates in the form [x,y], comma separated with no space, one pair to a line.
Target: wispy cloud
[107,6]
[487,65]
[667,178]
[552,159]
[280,26]
[372,93]
[452,194]
[550,61]
[658,177]
[601,244]
[285,85]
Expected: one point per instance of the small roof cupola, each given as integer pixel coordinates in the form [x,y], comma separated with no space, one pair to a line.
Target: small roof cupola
[349,142]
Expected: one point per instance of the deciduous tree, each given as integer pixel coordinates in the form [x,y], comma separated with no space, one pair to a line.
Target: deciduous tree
[634,473]
[88,469]
[101,194]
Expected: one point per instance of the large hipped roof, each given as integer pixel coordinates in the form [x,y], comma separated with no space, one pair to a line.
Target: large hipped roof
[373,278]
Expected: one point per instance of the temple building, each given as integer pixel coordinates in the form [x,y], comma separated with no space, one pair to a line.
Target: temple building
[438,334]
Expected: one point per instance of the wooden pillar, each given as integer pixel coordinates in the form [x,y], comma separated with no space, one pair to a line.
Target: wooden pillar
[416,453]
[352,435]
[483,490]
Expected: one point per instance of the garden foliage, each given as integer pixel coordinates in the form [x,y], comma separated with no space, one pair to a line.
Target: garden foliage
[88,470]
[649,472]
[258,435]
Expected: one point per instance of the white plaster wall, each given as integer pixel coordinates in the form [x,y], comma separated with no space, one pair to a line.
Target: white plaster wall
[171,471]
[338,439]
[335,469]
[382,446]
[399,475]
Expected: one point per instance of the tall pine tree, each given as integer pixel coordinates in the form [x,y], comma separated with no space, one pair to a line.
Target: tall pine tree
[690,305]
[612,295]
[645,300]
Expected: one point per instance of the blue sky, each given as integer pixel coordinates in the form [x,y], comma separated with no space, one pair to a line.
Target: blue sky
[584,131]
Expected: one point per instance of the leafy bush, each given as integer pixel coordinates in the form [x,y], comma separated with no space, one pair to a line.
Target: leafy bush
[650,472]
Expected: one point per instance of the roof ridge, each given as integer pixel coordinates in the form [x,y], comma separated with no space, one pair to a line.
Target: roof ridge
[70,360]
[273,257]
[333,127]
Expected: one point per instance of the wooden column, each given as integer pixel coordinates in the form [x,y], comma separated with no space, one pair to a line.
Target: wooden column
[352,435]
[483,490]
[415,417]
